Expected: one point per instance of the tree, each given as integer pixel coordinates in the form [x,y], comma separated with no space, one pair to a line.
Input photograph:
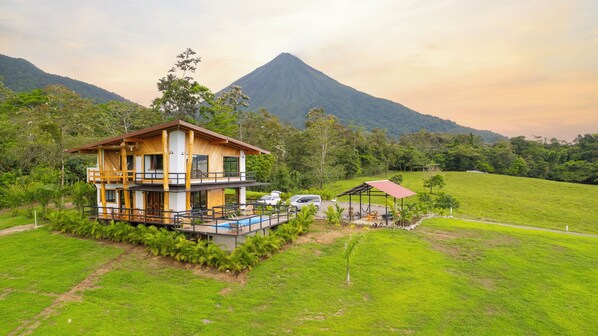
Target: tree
[435,181]
[83,194]
[322,135]
[397,178]
[182,96]
[445,201]
[350,247]
[124,117]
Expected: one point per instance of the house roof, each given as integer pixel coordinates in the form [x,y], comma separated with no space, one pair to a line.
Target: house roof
[138,136]
[385,186]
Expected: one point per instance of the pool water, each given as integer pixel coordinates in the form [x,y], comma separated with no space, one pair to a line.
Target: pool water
[244,222]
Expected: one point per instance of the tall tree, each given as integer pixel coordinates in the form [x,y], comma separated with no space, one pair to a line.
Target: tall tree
[322,137]
[182,96]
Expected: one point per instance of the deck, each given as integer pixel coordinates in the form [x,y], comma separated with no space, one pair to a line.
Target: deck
[236,220]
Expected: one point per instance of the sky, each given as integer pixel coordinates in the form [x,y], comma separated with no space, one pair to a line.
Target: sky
[514,67]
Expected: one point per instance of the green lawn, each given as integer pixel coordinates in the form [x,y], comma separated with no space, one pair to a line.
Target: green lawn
[449,277]
[36,266]
[8,220]
[509,199]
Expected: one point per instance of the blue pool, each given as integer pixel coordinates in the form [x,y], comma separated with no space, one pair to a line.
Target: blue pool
[244,222]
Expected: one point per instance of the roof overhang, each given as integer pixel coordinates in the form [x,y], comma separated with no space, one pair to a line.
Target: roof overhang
[134,138]
[386,186]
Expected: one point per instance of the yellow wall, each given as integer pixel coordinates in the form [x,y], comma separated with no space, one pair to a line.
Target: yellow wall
[215,152]
[215,198]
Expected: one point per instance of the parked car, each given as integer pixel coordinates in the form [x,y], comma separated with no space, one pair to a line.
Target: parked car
[269,199]
[299,201]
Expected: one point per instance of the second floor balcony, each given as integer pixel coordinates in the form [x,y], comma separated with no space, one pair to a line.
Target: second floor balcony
[94,175]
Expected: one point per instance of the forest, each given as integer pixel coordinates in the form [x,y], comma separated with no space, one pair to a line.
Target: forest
[37,126]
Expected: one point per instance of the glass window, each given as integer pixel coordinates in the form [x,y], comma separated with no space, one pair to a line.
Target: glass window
[231,166]
[111,196]
[154,162]
[199,166]
[231,196]
[199,200]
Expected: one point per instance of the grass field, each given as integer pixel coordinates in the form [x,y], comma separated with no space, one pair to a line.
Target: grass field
[8,220]
[509,199]
[448,277]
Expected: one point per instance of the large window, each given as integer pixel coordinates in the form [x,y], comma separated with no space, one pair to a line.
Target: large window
[231,196]
[130,162]
[199,200]
[154,162]
[231,166]
[199,166]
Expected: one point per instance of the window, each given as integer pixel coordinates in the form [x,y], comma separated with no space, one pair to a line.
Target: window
[154,162]
[130,162]
[199,200]
[231,166]
[111,196]
[231,196]
[199,166]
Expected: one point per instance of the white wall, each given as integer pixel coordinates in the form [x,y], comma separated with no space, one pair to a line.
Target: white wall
[177,201]
[242,165]
[139,200]
[176,145]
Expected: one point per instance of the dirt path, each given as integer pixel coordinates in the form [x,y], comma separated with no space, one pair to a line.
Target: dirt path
[530,228]
[27,327]
[19,228]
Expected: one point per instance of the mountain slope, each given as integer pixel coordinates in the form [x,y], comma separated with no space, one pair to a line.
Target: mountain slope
[20,75]
[289,88]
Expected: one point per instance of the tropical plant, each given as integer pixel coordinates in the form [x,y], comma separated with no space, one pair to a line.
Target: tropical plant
[349,250]
[446,201]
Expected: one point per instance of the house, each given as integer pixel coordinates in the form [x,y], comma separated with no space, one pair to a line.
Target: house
[179,176]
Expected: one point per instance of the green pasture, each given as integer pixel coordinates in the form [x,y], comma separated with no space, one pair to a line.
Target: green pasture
[448,277]
[501,198]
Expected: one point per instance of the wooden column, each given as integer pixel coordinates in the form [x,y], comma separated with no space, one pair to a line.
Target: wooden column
[125,174]
[102,181]
[165,169]
[190,140]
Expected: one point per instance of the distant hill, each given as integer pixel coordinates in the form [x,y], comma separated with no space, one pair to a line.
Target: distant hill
[20,75]
[289,88]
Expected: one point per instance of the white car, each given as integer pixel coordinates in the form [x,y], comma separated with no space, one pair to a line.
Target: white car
[299,201]
[269,199]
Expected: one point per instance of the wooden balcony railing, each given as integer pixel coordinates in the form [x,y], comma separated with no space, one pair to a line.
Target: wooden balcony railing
[109,176]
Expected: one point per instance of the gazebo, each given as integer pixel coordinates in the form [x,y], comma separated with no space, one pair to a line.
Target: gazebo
[382,188]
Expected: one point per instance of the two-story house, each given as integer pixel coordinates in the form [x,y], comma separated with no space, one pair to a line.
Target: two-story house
[181,176]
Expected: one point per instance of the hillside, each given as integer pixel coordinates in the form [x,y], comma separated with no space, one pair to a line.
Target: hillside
[289,88]
[20,75]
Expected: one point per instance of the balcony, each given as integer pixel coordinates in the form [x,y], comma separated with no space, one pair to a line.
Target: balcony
[94,175]
[196,178]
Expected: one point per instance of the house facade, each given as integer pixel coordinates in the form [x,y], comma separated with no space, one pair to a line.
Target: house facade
[180,175]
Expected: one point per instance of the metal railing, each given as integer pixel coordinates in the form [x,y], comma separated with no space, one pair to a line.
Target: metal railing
[156,217]
[196,177]
[235,219]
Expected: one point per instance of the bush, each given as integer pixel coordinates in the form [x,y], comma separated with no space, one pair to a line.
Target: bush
[175,245]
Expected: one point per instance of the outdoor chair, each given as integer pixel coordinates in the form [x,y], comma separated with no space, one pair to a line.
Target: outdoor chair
[372,215]
[232,227]
[248,210]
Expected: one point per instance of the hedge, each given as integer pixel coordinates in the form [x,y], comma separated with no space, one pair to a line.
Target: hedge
[160,241]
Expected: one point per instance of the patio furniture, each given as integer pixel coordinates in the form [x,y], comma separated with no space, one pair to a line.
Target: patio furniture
[248,210]
[372,215]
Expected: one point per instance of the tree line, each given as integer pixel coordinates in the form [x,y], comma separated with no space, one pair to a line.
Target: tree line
[37,126]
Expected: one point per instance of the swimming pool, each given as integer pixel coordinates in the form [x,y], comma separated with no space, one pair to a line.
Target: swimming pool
[245,221]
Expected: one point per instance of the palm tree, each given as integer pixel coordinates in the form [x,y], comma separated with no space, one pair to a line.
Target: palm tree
[350,247]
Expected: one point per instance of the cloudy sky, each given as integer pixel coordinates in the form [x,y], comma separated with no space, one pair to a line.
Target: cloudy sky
[511,66]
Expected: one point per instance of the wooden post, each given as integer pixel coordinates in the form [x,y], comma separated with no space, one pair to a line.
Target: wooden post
[191,139]
[165,169]
[125,174]
[102,181]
